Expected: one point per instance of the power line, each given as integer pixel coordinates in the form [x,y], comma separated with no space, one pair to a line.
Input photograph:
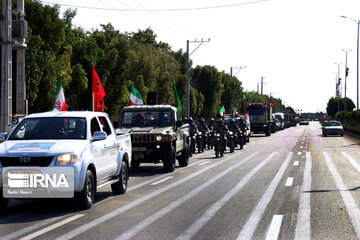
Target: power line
[159,10]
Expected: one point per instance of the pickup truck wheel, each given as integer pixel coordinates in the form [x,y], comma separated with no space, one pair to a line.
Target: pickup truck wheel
[3,201]
[120,187]
[87,195]
[184,157]
[169,160]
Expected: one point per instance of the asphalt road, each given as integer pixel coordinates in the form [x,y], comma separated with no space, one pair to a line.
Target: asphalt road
[294,184]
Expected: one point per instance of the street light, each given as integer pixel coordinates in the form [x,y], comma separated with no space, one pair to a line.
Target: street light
[357,67]
[346,74]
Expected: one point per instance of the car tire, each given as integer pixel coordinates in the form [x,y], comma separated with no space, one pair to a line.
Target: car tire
[86,197]
[184,157]
[169,160]
[3,201]
[120,186]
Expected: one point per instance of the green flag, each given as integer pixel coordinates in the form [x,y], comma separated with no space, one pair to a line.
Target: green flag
[175,101]
[222,111]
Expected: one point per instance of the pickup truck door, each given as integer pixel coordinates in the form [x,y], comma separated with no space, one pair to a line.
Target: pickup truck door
[111,147]
[98,151]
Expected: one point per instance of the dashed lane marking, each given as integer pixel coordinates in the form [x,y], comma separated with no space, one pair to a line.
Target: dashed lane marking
[248,230]
[210,212]
[296,163]
[274,228]
[289,182]
[302,231]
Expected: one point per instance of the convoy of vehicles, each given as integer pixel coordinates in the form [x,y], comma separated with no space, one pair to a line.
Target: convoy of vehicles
[84,141]
[100,155]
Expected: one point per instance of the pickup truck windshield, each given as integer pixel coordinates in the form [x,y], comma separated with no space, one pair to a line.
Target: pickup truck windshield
[147,118]
[50,128]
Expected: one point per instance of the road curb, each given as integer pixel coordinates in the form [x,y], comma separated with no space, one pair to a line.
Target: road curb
[352,134]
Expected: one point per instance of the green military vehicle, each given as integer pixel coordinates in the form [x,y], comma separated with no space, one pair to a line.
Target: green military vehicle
[156,135]
[261,118]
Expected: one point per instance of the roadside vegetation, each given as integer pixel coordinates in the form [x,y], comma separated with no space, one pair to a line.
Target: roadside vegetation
[121,59]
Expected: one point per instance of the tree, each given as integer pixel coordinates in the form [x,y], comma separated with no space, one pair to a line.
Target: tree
[335,103]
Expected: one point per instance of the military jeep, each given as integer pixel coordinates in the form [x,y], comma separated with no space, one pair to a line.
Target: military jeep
[156,135]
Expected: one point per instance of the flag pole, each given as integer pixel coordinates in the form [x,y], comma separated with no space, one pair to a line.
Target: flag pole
[92,92]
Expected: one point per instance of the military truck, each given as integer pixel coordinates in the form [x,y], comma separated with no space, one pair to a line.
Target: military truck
[261,119]
[156,135]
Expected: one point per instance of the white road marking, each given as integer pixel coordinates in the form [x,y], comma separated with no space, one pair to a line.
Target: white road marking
[203,163]
[149,220]
[352,161]
[299,153]
[289,182]
[162,180]
[210,212]
[144,183]
[302,231]
[296,163]
[274,228]
[15,235]
[114,213]
[52,227]
[248,230]
[349,201]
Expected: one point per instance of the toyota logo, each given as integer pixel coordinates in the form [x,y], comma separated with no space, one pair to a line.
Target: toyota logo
[25,159]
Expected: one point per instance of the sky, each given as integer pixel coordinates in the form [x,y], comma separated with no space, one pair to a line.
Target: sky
[297,46]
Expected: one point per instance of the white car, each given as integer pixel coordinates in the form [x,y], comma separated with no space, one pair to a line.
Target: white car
[83,140]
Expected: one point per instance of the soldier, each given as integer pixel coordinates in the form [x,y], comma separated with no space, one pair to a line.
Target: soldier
[234,127]
[212,124]
[221,128]
[192,125]
[204,130]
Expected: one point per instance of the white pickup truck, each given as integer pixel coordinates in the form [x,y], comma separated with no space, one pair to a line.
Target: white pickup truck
[83,140]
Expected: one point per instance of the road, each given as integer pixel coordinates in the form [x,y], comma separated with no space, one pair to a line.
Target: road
[294,184]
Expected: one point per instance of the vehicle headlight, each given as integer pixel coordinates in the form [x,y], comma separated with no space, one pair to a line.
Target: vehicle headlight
[218,134]
[66,158]
[158,138]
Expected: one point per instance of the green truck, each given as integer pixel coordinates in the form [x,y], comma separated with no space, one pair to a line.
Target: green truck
[261,118]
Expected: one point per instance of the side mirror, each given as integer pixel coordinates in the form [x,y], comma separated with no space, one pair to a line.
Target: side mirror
[179,124]
[99,135]
[3,136]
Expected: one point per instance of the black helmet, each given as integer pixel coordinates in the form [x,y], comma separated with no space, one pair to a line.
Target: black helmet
[185,119]
[212,120]
[190,119]
[232,120]
[219,121]
[202,120]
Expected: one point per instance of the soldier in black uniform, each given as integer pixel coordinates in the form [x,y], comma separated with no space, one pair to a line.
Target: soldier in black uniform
[193,129]
[221,128]
[203,129]
[211,124]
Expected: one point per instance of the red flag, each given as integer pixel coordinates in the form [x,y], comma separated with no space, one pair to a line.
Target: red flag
[271,102]
[97,91]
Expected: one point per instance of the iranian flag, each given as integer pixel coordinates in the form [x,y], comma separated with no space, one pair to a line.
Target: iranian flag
[222,111]
[60,103]
[135,97]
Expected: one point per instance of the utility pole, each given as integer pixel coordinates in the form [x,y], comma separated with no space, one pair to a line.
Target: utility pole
[188,71]
[262,84]
[6,65]
[338,85]
[346,75]
[20,35]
